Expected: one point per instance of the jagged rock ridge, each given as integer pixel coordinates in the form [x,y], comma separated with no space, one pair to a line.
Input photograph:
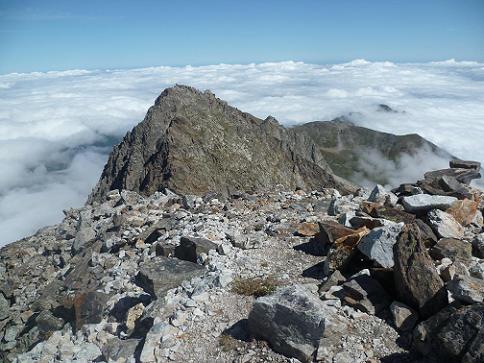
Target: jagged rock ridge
[192,142]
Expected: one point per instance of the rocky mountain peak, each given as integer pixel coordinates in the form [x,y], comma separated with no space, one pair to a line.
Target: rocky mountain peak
[193,142]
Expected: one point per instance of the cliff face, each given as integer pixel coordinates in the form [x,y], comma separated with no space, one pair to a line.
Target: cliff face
[192,142]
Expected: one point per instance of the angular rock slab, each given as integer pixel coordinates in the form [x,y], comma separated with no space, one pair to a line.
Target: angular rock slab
[89,308]
[293,321]
[453,335]
[465,164]
[378,244]
[464,211]
[161,274]
[417,281]
[452,248]
[420,203]
[404,317]
[444,224]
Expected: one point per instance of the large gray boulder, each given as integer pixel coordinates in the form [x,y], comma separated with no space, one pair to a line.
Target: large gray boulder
[293,321]
[420,203]
[378,244]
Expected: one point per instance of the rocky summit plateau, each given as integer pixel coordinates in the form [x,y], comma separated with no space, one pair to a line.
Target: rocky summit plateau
[215,236]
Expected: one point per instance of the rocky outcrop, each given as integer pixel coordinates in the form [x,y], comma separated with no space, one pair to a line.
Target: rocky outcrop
[192,142]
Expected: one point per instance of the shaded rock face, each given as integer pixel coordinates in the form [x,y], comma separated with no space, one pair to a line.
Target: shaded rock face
[416,279]
[453,335]
[192,142]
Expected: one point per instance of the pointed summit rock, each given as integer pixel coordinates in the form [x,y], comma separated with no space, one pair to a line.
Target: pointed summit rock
[193,143]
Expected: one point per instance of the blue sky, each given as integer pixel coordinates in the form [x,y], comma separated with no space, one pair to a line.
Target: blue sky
[56,35]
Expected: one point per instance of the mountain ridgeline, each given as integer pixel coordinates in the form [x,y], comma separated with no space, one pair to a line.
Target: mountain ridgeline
[193,143]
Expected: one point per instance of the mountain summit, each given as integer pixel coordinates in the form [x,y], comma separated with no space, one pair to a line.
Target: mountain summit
[193,143]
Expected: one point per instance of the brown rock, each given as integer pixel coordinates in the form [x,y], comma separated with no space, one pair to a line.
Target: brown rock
[394,214]
[464,211]
[343,249]
[452,248]
[332,230]
[416,279]
[307,229]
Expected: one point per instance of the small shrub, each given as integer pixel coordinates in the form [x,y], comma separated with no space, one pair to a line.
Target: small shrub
[255,286]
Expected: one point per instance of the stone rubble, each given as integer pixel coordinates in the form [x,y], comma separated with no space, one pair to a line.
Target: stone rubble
[170,278]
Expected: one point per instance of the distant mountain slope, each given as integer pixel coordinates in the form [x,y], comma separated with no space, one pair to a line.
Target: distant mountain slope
[193,143]
[344,146]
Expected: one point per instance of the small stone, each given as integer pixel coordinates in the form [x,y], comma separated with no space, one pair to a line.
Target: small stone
[478,245]
[380,195]
[464,211]
[307,230]
[366,294]
[456,268]
[88,352]
[160,274]
[404,317]
[121,351]
[132,317]
[334,279]
[4,307]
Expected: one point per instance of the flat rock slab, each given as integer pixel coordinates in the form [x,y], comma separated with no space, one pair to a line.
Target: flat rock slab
[424,202]
[293,321]
[465,164]
[161,274]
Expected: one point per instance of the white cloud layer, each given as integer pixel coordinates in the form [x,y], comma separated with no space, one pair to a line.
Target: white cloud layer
[56,128]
